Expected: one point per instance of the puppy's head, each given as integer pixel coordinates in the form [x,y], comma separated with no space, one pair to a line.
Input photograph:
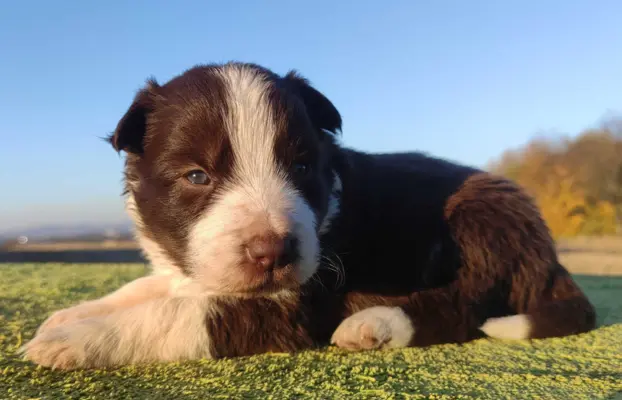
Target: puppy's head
[229,175]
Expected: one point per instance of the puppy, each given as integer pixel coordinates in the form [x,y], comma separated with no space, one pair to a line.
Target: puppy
[265,234]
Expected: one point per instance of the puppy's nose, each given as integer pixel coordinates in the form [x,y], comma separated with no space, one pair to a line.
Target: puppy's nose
[272,251]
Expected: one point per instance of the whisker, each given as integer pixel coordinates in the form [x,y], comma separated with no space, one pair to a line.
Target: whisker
[336,267]
[317,279]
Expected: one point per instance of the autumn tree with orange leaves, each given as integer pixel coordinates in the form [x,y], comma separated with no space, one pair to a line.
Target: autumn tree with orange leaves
[577,182]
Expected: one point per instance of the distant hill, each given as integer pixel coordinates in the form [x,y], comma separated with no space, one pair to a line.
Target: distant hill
[56,232]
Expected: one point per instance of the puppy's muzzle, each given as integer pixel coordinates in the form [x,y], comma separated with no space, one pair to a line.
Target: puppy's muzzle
[271,252]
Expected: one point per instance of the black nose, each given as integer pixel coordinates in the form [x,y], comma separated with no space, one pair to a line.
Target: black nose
[272,251]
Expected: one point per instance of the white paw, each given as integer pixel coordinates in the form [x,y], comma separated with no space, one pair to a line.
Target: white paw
[373,328]
[513,327]
[66,347]
[73,314]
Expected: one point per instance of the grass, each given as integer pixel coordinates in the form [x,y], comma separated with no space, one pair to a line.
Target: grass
[586,366]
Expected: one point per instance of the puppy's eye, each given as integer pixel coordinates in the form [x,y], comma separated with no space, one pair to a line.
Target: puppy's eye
[302,169]
[197,177]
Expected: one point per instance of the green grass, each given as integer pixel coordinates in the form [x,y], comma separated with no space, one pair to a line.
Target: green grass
[582,367]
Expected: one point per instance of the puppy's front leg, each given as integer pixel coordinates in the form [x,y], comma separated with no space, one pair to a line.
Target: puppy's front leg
[165,329]
[177,329]
[135,292]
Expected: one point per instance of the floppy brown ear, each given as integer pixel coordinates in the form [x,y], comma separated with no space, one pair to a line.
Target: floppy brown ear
[323,113]
[130,132]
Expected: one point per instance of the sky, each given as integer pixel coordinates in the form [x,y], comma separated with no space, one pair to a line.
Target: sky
[460,80]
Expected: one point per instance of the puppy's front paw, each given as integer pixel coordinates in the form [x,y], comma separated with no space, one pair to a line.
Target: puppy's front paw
[74,314]
[54,349]
[67,347]
[374,328]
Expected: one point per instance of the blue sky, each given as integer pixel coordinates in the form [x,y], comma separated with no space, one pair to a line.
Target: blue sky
[462,80]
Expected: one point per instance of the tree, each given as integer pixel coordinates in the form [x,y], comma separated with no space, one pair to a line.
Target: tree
[576,181]
[562,204]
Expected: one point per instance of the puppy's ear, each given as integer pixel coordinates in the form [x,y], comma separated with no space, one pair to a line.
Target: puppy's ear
[323,113]
[130,132]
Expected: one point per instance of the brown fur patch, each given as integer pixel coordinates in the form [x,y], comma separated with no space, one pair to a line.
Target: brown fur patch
[246,326]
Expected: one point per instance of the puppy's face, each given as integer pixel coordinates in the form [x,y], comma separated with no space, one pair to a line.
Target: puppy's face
[229,175]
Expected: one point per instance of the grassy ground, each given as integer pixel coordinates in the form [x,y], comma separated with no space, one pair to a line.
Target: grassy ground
[582,367]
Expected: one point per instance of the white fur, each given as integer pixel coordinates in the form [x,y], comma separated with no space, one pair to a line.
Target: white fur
[160,317]
[375,327]
[333,204]
[257,200]
[135,292]
[515,327]
[251,127]
[162,329]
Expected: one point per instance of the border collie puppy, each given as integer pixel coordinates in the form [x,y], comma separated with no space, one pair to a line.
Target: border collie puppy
[267,235]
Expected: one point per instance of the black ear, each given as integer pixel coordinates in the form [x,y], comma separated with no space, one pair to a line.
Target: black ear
[130,131]
[323,113]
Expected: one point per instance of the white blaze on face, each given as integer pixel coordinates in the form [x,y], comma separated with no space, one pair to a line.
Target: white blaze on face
[258,199]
